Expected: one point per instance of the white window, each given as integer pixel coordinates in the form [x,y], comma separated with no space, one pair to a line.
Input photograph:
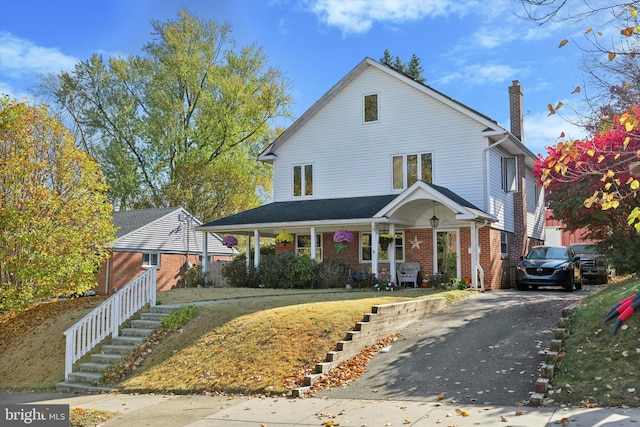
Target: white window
[150,260]
[383,254]
[508,169]
[370,108]
[409,168]
[303,245]
[504,243]
[302,180]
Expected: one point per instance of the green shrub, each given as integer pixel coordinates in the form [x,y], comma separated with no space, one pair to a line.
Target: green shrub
[302,274]
[177,318]
[192,277]
[333,273]
[364,279]
[237,274]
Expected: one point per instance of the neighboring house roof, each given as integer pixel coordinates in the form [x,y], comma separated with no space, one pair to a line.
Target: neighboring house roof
[493,128]
[163,230]
[316,212]
[128,221]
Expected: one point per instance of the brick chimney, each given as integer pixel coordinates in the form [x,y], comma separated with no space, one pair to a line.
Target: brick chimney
[515,110]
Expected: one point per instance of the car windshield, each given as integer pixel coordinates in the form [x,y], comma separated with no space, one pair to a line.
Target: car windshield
[585,249]
[548,253]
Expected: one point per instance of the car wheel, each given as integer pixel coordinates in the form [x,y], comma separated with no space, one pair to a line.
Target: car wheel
[569,285]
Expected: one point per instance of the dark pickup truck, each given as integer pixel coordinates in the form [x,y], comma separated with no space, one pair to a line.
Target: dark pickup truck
[593,265]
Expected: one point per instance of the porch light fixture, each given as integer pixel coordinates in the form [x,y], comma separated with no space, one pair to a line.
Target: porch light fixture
[434,219]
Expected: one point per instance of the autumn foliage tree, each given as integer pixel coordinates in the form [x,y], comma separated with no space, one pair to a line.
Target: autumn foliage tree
[182,123]
[594,184]
[55,220]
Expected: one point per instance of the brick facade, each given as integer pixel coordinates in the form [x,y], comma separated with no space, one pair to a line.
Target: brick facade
[126,266]
[497,268]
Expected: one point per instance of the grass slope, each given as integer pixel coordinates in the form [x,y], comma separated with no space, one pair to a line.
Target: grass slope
[599,368]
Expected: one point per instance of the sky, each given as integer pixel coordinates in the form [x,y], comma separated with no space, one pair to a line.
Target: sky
[471,50]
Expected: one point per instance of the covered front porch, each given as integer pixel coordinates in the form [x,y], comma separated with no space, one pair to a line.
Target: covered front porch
[430,225]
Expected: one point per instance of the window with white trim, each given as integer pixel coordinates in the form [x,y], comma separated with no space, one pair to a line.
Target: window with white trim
[508,170]
[366,252]
[370,108]
[409,168]
[303,245]
[504,243]
[150,260]
[303,180]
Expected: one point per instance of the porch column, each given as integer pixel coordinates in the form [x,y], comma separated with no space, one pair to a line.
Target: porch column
[392,254]
[375,239]
[247,250]
[313,243]
[256,248]
[205,251]
[476,268]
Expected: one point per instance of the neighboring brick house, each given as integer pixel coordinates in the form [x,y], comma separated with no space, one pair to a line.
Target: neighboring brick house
[163,238]
[382,153]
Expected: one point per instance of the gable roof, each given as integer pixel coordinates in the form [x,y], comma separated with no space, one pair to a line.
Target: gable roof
[161,230]
[128,221]
[492,129]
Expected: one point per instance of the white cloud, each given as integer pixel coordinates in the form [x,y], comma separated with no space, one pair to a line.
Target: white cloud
[20,57]
[480,74]
[358,16]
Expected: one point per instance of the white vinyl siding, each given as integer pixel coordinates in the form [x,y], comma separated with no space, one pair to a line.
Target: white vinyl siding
[500,203]
[352,158]
[535,207]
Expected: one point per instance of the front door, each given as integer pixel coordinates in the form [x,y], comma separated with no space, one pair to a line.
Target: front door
[447,253]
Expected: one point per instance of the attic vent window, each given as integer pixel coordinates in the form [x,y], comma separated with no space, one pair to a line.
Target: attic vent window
[371,108]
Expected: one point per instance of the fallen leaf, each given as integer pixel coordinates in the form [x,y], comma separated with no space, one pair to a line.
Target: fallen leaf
[462,412]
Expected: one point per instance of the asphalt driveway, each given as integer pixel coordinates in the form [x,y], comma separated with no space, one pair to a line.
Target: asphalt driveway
[485,350]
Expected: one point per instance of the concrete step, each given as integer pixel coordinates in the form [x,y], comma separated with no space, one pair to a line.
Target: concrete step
[73,387]
[85,377]
[167,309]
[145,324]
[108,358]
[94,366]
[118,349]
[127,340]
[136,332]
[153,316]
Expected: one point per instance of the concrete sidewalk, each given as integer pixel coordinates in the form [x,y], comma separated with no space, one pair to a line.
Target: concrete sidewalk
[220,411]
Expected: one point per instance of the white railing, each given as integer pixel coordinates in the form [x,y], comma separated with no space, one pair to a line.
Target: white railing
[106,318]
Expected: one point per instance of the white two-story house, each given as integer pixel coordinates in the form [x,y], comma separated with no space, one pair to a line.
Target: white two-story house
[381,153]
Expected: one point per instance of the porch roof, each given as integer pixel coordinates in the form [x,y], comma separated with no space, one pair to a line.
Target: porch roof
[273,217]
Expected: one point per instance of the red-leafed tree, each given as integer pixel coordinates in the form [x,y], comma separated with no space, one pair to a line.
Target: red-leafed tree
[594,184]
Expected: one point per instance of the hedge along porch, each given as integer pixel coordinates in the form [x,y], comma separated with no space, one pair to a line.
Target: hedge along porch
[459,228]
